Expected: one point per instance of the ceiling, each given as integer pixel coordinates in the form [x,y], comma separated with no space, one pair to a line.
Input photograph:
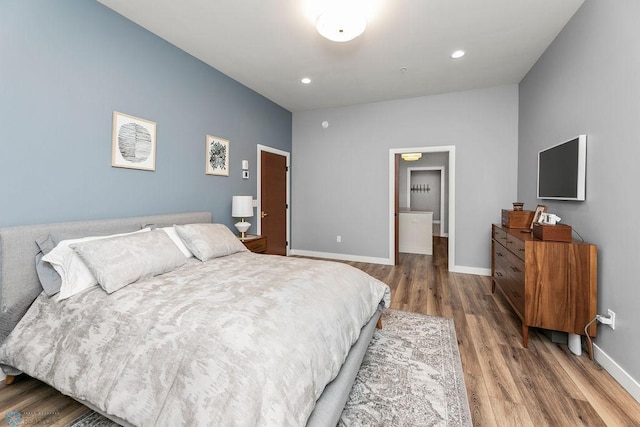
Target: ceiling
[269,45]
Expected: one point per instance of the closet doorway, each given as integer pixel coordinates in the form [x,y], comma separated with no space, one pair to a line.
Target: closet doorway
[447,220]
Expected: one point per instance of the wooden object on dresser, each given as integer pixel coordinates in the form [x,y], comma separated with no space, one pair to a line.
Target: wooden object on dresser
[557,232]
[517,219]
[550,285]
[256,244]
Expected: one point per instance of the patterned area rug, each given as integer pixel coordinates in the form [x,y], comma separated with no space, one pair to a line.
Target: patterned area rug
[410,376]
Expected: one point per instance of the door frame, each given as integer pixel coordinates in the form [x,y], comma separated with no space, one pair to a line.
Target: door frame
[287,155]
[451,149]
[429,168]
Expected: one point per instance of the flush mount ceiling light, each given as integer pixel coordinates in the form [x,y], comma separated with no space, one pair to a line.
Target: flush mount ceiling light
[305,80]
[410,157]
[341,25]
[457,54]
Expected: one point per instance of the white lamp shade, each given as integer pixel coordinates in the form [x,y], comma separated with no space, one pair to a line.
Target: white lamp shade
[242,207]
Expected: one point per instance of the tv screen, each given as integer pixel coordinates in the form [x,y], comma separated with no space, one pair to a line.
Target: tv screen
[561,170]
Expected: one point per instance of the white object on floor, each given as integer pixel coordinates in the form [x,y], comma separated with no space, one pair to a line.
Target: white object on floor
[575,344]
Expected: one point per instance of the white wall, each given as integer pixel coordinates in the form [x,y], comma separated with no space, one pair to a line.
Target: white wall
[588,81]
[341,173]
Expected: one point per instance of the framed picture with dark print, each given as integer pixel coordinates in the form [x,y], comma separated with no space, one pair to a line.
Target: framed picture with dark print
[217,156]
[537,215]
[133,142]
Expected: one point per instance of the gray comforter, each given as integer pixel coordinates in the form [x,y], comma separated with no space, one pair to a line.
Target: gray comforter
[240,340]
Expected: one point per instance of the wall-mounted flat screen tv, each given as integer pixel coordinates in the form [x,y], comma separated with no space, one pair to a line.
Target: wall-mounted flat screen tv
[562,170]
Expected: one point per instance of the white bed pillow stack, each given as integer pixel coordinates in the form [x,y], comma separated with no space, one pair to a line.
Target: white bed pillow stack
[82,264]
[75,275]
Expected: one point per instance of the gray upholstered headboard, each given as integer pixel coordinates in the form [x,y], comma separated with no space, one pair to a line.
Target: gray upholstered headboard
[19,284]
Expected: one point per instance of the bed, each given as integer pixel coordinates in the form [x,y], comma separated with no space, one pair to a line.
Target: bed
[236,339]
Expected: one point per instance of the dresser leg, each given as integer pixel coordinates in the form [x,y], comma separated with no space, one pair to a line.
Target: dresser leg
[379,324]
[9,379]
[525,335]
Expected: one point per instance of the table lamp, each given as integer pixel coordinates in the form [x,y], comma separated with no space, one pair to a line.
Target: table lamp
[242,207]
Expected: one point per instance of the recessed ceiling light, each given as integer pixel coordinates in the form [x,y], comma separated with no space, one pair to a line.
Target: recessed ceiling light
[457,54]
[305,80]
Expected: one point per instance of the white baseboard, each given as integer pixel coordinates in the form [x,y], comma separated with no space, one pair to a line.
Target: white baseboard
[341,257]
[626,381]
[384,261]
[471,270]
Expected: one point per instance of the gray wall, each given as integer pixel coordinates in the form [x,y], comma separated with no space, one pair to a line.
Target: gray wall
[66,65]
[588,81]
[425,195]
[341,174]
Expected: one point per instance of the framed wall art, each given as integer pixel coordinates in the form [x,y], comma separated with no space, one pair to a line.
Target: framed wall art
[217,156]
[133,142]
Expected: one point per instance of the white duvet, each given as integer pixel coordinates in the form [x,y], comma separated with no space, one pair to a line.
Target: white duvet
[242,340]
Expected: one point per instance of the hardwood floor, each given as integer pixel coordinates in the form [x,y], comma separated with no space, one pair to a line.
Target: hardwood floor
[507,385]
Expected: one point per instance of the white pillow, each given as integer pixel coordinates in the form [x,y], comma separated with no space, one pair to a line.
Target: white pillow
[74,273]
[119,261]
[207,241]
[177,240]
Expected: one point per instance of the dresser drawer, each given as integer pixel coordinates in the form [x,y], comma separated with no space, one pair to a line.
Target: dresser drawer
[515,268]
[508,274]
[513,290]
[499,235]
[516,246]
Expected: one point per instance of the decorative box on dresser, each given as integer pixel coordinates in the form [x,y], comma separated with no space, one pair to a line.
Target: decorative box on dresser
[550,285]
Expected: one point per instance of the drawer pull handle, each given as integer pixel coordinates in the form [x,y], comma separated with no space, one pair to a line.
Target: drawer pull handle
[521,249]
[498,274]
[515,269]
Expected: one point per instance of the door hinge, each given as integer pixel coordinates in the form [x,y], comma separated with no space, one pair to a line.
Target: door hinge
[286,243]
[286,168]
[286,205]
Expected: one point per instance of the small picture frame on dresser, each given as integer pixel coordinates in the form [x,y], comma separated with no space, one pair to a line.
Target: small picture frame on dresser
[540,209]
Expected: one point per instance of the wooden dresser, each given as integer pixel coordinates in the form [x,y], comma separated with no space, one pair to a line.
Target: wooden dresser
[550,285]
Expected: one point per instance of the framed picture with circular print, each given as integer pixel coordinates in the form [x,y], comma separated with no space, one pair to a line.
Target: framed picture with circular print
[133,142]
[217,156]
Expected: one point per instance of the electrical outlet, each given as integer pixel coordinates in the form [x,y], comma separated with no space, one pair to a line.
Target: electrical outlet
[339,239]
[612,316]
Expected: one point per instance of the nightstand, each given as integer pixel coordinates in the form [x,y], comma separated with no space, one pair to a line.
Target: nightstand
[256,244]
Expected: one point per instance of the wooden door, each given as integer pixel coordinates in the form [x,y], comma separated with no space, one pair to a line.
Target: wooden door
[273,200]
